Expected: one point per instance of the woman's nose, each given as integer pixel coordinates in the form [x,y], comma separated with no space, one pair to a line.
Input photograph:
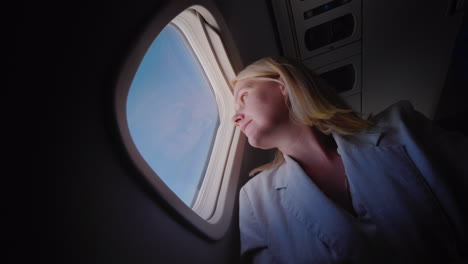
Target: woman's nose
[237,118]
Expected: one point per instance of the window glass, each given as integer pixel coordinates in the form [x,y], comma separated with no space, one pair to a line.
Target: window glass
[172,114]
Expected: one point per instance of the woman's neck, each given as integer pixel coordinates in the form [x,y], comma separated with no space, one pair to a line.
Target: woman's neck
[312,149]
[317,154]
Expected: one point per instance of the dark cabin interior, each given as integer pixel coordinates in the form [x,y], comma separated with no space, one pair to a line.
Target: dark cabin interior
[84,202]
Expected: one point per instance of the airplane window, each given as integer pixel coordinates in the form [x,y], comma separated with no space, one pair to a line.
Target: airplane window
[173,106]
[172,114]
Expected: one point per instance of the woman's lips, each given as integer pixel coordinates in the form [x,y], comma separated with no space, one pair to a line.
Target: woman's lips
[244,126]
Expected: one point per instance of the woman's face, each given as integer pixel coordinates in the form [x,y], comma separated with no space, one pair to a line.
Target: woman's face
[261,111]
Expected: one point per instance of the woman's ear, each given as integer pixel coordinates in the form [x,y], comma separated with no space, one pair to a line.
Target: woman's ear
[284,92]
[283,86]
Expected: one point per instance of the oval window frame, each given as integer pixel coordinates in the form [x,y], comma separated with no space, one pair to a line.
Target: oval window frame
[204,29]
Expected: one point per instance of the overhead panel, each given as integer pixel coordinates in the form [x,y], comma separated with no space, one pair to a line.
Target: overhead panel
[326,36]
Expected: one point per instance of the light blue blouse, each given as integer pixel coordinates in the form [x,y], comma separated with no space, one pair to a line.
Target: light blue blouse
[408,181]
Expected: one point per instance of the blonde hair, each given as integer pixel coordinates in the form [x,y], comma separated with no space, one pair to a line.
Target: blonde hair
[310,99]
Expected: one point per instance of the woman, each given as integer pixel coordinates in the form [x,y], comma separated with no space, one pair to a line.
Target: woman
[343,189]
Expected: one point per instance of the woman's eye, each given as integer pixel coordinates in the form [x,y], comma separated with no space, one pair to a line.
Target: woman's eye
[243,97]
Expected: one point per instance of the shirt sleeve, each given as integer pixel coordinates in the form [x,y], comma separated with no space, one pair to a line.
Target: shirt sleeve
[254,248]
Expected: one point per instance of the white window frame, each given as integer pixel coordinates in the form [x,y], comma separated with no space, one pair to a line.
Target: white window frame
[212,210]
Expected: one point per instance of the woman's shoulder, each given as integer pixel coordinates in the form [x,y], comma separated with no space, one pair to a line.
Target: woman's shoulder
[398,116]
[403,123]
[396,112]
[392,125]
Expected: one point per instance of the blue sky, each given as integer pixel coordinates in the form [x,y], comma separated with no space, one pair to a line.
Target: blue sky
[172,114]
